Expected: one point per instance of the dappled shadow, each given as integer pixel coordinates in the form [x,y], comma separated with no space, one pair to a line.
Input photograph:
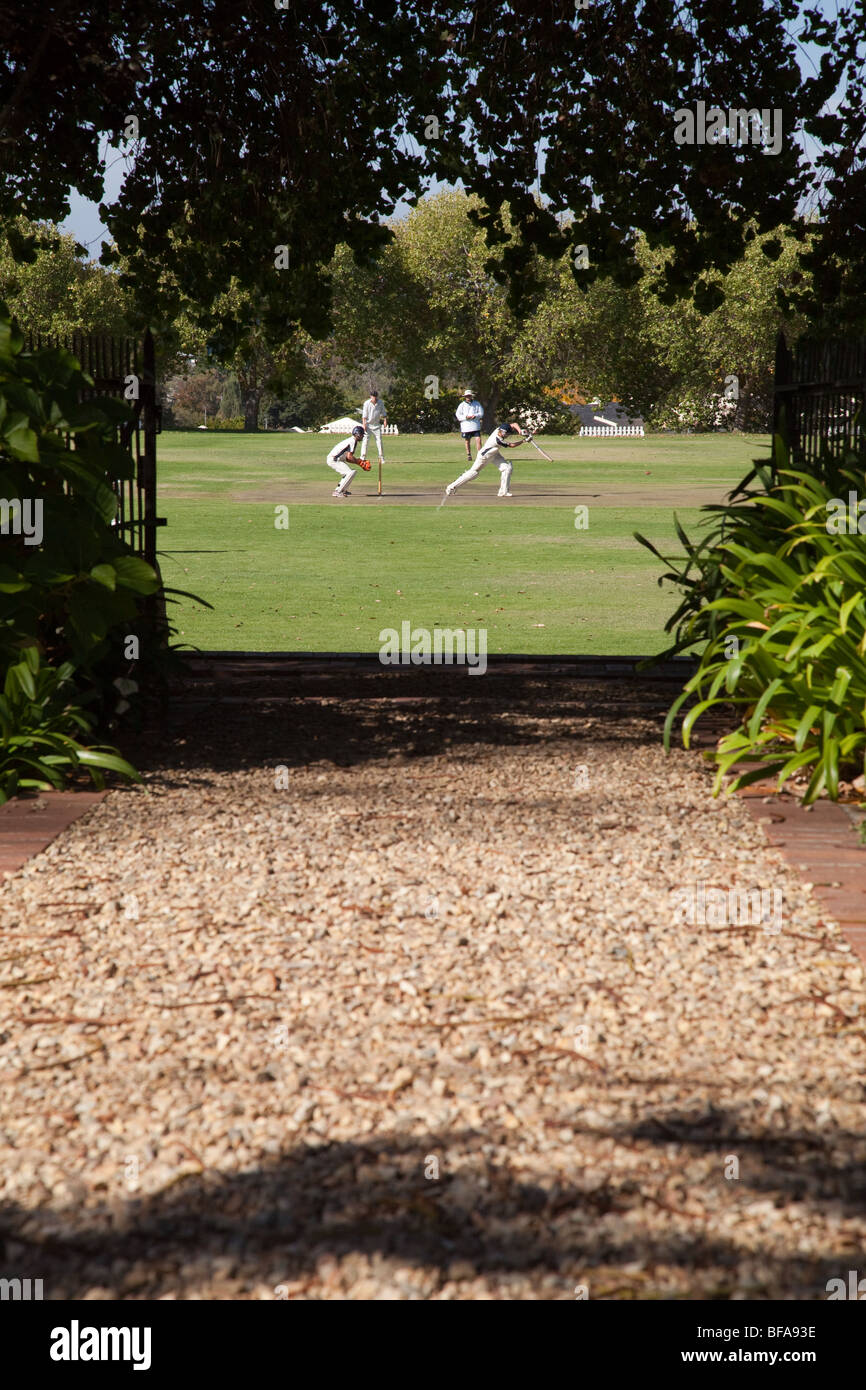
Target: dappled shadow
[350,718]
[377,1198]
[795,1165]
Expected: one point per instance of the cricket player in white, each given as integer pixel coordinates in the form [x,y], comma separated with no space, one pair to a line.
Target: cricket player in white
[470,413]
[490,453]
[336,458]
[373,417]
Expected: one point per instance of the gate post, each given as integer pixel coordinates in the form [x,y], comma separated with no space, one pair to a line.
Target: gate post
[147,479]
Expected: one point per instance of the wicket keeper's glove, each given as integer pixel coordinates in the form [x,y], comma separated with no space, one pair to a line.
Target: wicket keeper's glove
[363,463]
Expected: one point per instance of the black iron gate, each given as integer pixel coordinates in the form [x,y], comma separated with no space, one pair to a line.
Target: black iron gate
[124,368]
[819,398]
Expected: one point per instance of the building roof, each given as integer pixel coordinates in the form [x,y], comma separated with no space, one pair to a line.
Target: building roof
[610,414]
[342,426]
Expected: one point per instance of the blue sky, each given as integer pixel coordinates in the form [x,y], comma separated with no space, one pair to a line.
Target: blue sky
[87,227]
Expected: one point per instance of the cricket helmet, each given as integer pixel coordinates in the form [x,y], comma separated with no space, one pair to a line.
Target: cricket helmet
[358,431]
[505,429]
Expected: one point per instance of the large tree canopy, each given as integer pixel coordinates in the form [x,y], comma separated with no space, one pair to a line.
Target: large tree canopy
[266,124]
[429,308]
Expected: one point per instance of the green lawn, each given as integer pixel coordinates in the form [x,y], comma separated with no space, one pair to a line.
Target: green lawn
[344,570]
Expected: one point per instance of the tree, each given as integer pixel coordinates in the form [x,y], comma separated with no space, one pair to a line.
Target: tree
[832,292]
[431,307]
[249,128]
[589,342]
[261,365]
[231,405]
[192,398]
[59,292]
[670,363]
[435,314]
[724,361]
[263,137]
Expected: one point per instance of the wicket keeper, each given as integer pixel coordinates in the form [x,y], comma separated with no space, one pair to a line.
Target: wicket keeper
[341,456]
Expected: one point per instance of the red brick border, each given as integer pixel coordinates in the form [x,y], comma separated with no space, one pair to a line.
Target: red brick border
[28,825]
[820,844]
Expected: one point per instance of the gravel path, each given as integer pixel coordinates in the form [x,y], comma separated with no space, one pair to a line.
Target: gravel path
[423,1022]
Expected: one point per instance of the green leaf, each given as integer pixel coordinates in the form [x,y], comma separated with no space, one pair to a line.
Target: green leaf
[11,581]
[805,725]
[755,774]
[766,697]
[112,762]
[694,713]
[105,575]
[136,574]
[20,677]
[21,441]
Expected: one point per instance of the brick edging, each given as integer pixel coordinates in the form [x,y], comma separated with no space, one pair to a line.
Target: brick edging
[29,824]
[819,843]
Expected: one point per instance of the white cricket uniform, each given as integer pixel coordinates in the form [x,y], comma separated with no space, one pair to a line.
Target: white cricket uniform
[336,461]
[470,414]
[372,415]
[489,453]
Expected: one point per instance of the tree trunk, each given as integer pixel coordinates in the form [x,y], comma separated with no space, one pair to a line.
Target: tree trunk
[251,401]
[491,409]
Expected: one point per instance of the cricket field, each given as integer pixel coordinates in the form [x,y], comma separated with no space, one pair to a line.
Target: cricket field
[253,529]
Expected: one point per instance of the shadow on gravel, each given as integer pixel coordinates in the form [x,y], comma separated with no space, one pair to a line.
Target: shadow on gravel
[794,1166]
[272,1225]
[357,718]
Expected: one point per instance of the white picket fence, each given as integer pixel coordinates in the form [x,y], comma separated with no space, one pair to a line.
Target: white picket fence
[345,429]
[593,430]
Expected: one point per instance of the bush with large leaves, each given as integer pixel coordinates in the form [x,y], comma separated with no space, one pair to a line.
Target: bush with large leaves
[41,723]
[776,598]
[72,587]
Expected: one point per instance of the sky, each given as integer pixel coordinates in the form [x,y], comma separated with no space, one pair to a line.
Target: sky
[86,225]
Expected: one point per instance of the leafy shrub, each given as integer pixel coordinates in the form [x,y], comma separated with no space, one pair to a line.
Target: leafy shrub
[700,578]
[232,422]
[71,588]
[81,581]
[779,604]
[40,719]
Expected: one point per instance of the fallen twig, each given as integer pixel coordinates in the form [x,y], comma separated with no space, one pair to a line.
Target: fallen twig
[62,1062]
[33,980]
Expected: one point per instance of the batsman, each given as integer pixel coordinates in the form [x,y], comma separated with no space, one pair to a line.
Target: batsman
[492,453]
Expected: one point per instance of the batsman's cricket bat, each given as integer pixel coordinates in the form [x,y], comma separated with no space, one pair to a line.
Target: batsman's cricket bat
[540,451]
